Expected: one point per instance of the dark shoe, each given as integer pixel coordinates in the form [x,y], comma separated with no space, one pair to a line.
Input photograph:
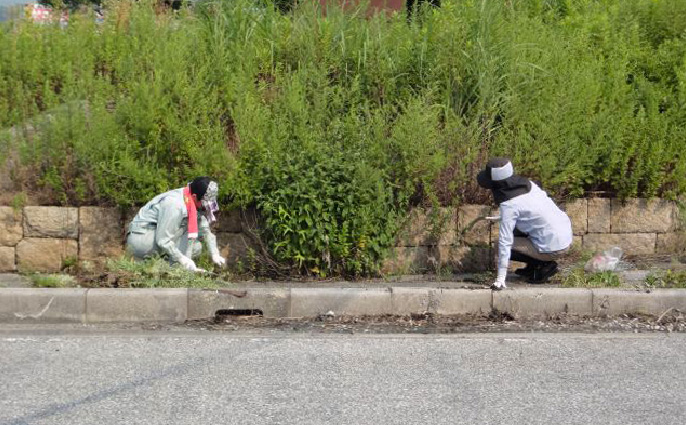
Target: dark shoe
[527,271]
[542,273]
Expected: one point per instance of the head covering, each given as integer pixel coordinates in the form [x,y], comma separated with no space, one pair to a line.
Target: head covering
[209,201]
[206,191]
[499,176]
[199,186]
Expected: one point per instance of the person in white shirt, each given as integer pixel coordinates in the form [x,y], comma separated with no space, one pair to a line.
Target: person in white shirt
[172,222]
[533,230]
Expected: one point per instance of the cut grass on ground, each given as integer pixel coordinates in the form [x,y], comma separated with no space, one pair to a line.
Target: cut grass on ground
[53,280]
[158,273]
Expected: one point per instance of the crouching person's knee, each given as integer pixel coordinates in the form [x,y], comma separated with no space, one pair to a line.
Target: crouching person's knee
[140,245]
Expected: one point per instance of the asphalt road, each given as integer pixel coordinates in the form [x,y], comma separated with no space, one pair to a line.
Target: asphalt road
[194,377]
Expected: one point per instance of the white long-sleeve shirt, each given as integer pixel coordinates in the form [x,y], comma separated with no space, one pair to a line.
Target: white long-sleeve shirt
[535,214]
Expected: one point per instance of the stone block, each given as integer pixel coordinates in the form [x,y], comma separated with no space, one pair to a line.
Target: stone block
[163,305]
[235,247]
[429,227]
[472,228]
[127,216]
[51,222]
[464,258]
[643,216]
[671,243]
[577,242]
[32,305]
[577,210]
[7,263]
[406,259]
[495,233]
[205,303]
[533,302]
[311,302]
[45,255]
[11,231]
[100,233]
[228,221]
[631,243]
[461,301]
[612,302]
[599,215]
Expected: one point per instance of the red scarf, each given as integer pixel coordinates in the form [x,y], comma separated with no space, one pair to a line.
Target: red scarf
[192,213]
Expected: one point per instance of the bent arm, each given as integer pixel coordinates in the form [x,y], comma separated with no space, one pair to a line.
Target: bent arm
[168,222]
[208,237]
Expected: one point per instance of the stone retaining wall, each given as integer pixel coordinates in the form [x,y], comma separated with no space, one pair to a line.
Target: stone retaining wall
[469,243]
[45,239]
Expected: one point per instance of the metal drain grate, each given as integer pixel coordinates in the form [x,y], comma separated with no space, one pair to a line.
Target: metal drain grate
[233,312]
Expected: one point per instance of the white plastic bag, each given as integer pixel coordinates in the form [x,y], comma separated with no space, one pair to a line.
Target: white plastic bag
[605,261]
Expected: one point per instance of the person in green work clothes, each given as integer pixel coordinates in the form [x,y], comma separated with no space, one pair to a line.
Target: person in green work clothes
[173,223]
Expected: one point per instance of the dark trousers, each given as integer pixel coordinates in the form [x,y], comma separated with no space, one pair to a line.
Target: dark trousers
[525,252]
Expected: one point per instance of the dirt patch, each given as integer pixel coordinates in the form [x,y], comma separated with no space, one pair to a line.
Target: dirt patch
[495,322]
[643,273]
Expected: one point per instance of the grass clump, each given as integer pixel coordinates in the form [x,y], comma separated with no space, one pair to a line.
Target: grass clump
[53,281]
[667,279]
[578,278]
[158,273]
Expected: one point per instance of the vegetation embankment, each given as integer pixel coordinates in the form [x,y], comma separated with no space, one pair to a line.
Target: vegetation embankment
[331,126]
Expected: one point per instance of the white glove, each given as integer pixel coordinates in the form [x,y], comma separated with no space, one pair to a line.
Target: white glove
[188,264]
[499,283]
[218,260]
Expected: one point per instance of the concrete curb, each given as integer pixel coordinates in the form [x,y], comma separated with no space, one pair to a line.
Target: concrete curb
[32,305]
[101,305]
[463,301]
[136,305]
[612,302]
[271,302]
[307,302]
[533,302]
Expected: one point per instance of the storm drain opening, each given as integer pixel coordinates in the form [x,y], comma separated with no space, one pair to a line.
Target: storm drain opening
[228,314]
